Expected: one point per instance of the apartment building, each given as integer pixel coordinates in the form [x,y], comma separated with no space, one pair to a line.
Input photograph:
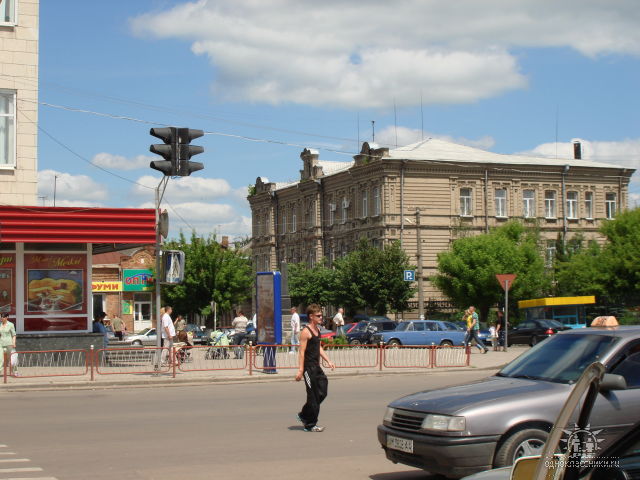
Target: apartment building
[426,195]
[18,102]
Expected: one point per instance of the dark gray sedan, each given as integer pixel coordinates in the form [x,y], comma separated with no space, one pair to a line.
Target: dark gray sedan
[460,430]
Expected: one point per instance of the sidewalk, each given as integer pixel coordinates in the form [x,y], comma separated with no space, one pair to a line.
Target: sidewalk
[491,361]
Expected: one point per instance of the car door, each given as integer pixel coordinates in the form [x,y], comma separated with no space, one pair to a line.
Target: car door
[150,337]
[522,333]
[616,411]
[433,333]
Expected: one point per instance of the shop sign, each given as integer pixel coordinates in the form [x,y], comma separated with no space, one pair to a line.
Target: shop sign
[105,286]
[138,280]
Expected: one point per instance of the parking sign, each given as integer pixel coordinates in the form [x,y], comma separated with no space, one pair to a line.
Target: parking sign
[409,275]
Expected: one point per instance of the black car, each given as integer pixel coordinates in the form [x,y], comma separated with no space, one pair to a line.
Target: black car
[199,336]
[363,332]
[531,332]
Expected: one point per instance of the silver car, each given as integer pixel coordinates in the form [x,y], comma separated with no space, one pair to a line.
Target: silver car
[460,430]
[145,337]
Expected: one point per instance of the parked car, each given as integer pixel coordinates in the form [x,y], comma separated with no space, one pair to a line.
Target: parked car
[362,333]
[199,336]
[371,318]
[460,430]
[324,332]
[421,332]
[145,337]
[531,332]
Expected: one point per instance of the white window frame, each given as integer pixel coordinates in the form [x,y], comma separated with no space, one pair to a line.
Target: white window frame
[377,206]
[345,209]
[611,204]
[10,6]
[332,213]
[550,253]
[294,221]
[529,203]
[550,204]
[8,139]
[500,199]
[365,203]
[588,205]
[466,202]
[572,205]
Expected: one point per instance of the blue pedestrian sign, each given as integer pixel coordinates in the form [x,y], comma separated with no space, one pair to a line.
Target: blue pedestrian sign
[409,275]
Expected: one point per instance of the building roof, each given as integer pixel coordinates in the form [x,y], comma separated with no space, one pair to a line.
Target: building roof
[433,149]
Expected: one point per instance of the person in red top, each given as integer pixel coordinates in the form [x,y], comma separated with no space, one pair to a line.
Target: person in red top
[315,380]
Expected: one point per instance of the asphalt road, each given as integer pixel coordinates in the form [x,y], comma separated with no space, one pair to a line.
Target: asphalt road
[237,431]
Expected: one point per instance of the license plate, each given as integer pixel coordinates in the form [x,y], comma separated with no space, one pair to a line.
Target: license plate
[402,444]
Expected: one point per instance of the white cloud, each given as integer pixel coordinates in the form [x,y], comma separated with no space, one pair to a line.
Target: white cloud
[372,54]
[407,136]
[118,162]
[70,190]
[184,188]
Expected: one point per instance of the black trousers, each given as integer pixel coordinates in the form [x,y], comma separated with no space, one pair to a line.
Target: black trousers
[316,383]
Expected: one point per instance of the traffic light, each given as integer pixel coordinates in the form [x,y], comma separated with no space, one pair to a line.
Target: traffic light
[168,151]
[185,166]
[176,151]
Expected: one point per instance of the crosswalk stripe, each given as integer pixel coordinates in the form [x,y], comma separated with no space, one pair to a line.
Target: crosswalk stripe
[13,460]
[24,469]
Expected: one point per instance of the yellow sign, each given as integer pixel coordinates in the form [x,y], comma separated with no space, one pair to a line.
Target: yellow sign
[555,301]
[106,286]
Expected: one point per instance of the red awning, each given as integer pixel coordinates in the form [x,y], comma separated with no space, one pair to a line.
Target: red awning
[77,225]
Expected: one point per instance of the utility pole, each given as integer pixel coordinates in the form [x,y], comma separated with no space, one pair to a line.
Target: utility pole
[419,257]
[55,184]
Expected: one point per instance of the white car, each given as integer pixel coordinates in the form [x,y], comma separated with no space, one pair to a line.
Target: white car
[145,337]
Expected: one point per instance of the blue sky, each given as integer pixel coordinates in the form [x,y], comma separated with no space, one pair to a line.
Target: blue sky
[266,79]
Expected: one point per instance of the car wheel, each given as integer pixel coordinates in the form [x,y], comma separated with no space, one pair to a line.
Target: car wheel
[522,443]
[355,341]
[136,343]
[533,341]
[394,343]
[446,343]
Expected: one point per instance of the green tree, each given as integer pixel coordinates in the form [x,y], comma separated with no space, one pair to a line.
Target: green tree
[212,273]
[372,279]
[311,285]
[467,272]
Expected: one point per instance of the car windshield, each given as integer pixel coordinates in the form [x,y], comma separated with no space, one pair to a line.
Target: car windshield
[560,358]
[551,324]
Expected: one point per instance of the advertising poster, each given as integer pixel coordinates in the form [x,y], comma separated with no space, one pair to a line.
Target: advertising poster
[268,304]
[7,283]
[138,280]
[55,287]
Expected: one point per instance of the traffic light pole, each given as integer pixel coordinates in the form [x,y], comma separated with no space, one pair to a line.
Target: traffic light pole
[159,194]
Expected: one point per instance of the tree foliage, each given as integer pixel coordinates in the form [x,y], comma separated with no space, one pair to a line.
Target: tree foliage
[467,272]
[366,279]
[611,272]
[212,273]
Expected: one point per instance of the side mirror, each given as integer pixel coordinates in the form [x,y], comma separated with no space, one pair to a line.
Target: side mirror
[525,467]
[611,381]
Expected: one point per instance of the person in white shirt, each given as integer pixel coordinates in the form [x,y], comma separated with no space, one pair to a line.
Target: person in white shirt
[295,329]
[168,332]
[338,322]
[239,324]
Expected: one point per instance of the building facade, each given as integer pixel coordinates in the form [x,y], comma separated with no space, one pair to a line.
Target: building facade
[18,102]
[426,195]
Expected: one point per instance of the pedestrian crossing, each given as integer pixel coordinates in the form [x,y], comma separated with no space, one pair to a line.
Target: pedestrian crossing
[14,468]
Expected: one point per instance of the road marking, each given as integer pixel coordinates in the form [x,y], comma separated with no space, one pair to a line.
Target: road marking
[7,453]
[30,478]
[16,470]
[13,460]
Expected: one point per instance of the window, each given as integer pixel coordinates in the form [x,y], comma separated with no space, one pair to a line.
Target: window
[294,221]
[365,203]
[284,223]
[572,204]
[501,202]
[550,253]
[466,208]
[610,204]
[588,204]
[529,203]
[376,201]
[550,204]
[8,12]
[332,213]
[7,127]
[345,208]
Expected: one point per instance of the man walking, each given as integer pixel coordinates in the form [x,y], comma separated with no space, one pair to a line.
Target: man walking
[315,380]
[338,322]
[473,329]
[295,329]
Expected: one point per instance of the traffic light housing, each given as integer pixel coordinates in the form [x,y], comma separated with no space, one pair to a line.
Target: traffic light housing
[176,151]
